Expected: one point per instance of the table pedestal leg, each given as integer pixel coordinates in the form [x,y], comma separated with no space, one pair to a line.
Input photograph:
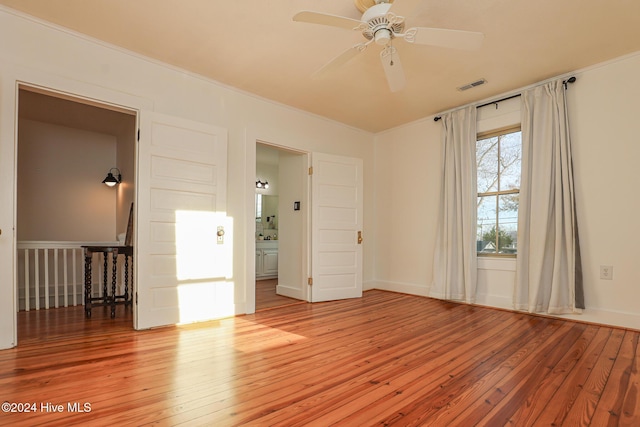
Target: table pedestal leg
[105,278]
[87,285]
[126,280]
[113,283]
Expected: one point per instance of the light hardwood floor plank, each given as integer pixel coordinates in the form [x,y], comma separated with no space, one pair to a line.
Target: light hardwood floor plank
[384,359]
[612,408]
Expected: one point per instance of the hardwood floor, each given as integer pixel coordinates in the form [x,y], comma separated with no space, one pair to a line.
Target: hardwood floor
[267,298]
[384,359]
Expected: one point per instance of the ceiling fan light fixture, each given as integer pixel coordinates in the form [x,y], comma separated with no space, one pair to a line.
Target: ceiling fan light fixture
[383,37]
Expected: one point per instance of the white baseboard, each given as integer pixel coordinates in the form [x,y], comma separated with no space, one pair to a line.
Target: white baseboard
[289,292]
[405,288]
[606,317]
[589,315]
[495,301]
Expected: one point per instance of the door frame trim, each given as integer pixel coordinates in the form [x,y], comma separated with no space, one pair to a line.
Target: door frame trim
[251,140]
[78,91]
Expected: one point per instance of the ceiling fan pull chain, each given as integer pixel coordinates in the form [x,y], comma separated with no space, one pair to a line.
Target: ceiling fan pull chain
[387,52]
[391,50]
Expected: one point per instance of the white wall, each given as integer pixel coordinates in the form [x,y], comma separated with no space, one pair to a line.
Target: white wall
[47,56]
[605,124]
[292,225]
[605,120]
[125,161]
[269,173]
[407,194]
[60,193]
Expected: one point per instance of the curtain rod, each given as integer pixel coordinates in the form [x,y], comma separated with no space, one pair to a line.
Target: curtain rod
[564,82]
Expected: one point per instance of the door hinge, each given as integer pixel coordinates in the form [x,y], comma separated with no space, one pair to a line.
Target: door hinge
[310,170]
[138,134]
[136,298]
[310,281]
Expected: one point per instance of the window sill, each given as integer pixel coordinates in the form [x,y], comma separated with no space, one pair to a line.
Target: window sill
[497,263]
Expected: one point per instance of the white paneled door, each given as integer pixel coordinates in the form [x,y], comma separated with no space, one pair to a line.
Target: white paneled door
[184,237]
[336,236]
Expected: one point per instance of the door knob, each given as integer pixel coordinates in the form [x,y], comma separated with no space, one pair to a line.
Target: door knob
[220,235]
[360,237]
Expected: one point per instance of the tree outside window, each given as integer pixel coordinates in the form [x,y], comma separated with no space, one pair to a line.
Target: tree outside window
[499,158]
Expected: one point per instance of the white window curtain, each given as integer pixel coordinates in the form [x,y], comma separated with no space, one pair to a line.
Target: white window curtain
[455,260]
[548,275]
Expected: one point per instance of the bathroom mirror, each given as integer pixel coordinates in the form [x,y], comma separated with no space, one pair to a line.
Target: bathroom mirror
[267,210]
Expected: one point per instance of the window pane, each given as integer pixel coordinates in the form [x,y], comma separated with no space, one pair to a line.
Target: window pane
[499,159]
[258,207]
[508,223]
[510,160]
[487,161]
[486,238]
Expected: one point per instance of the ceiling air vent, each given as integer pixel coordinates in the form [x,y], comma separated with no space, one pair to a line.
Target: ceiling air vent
[472,85]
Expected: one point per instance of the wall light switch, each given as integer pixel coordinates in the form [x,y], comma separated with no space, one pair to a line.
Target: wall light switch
[606,272]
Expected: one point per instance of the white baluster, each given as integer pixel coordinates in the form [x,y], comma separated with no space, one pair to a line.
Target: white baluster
[27,297]
[65,278]
[45,260]
[56,291]
[36,276]
[75,291]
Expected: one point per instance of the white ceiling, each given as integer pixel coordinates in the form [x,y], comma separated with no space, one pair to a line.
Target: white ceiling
[71,113]
[254,45]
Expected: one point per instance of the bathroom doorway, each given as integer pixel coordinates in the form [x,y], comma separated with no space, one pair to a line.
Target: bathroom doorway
[281,226]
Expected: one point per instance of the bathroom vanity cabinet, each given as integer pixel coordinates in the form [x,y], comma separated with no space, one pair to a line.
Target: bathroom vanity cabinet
[266,259]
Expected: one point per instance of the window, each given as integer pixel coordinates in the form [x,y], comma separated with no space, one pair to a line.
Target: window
[258,207]
[499,157]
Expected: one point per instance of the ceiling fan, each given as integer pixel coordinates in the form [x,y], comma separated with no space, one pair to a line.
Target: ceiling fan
[382,22]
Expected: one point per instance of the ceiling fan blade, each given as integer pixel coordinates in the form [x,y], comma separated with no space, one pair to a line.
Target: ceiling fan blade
[326,19]
[393,68]
[404,7]
[456,39]
[341,59]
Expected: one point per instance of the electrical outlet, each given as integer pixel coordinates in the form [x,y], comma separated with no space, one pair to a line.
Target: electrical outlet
[606,272]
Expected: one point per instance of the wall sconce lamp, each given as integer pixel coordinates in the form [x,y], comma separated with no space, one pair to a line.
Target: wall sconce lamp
[111,180]
[261,185]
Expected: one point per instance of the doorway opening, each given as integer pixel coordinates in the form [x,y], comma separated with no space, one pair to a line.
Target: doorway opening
[281,226]
[66,146]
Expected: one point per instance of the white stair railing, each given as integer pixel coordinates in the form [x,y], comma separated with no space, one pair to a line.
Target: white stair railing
[51,274]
